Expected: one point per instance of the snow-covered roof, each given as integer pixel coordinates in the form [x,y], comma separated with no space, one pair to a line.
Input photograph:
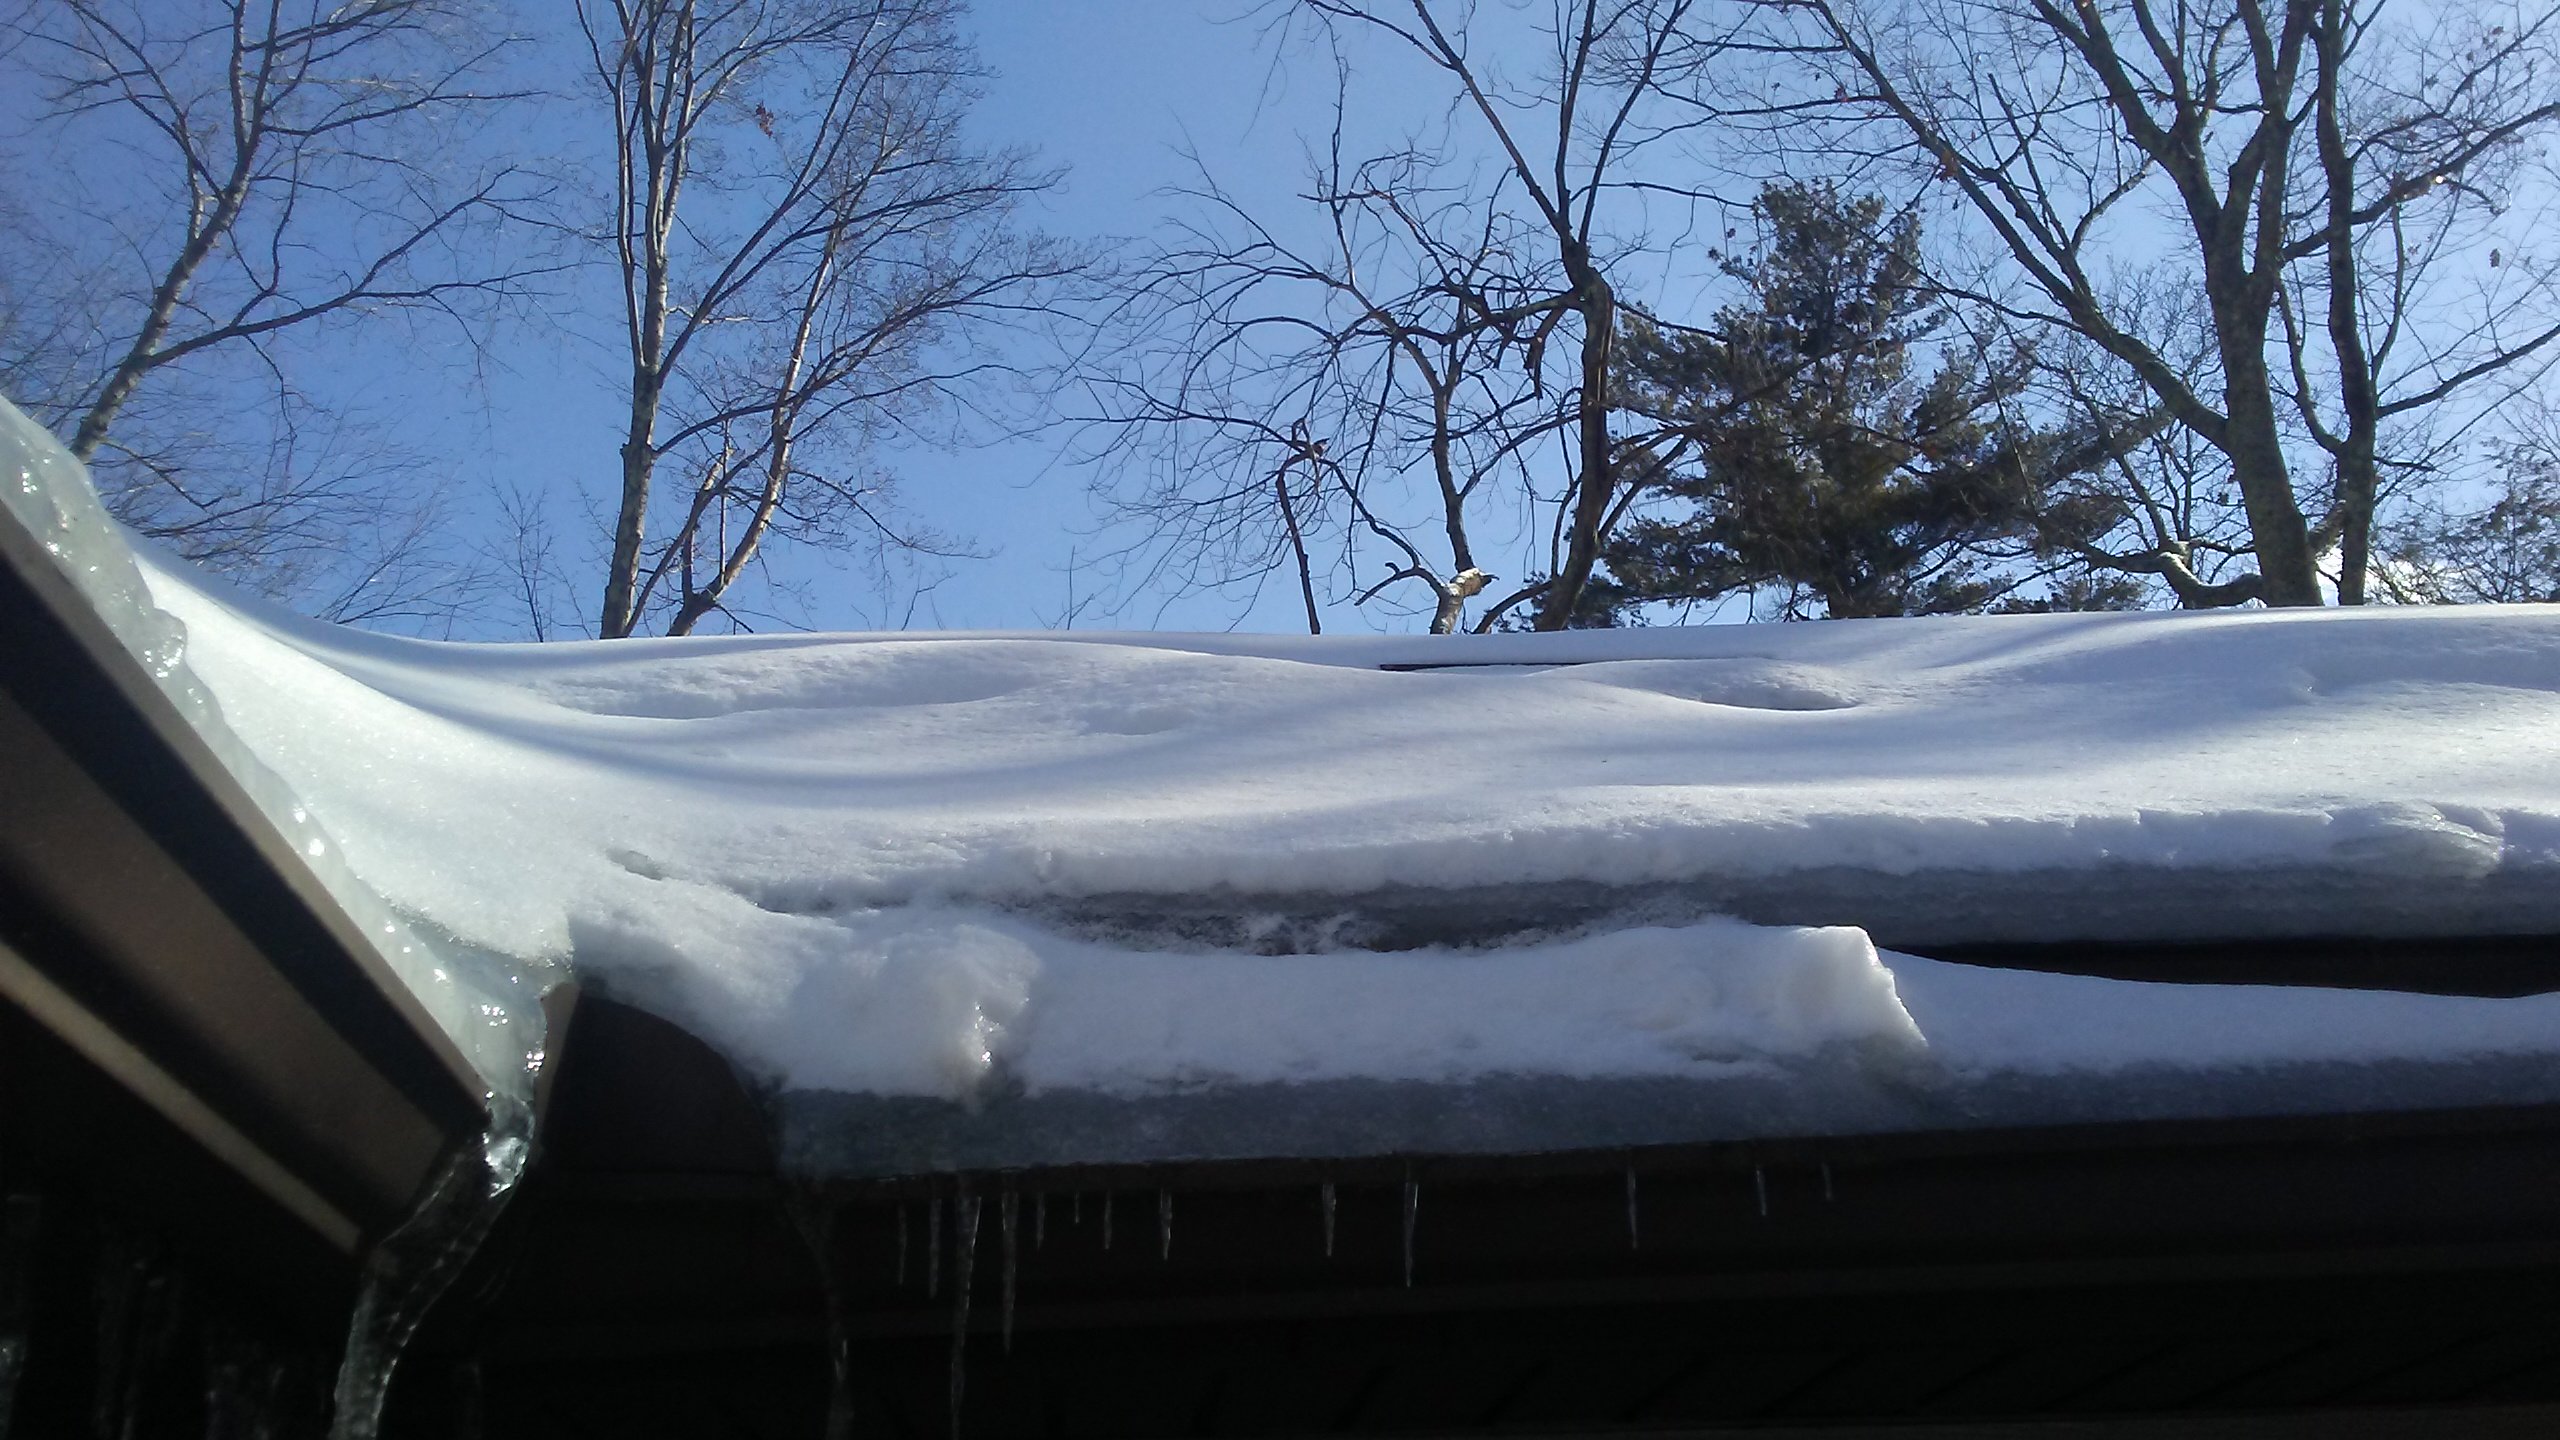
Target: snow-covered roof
[2406,755]
[989,866]
[1278,894]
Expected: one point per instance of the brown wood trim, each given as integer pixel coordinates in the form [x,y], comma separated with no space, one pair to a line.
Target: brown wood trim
[61,664]
[164,931]
[98,1043]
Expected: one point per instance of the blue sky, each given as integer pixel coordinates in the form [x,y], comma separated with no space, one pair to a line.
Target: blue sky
[1118,94]
[1115,92]
[1112,90]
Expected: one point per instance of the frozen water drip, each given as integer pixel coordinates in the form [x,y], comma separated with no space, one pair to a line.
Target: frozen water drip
[1634,1239]
[250,1388]
[471,1400]
[1012,1204]
[1412,1207]
[18,1219]
[964,1260]
[1324,1201]
[933,1248]
[409,1268]
[138,1302]
[816,1221]
[1164,1223]
[1760,1189]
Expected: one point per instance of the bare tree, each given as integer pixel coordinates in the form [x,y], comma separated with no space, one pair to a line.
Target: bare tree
[2329,181]
[1564,140]
[280,165]
[1370,381]
[806,241]
[2140,496]
[2504,551]
[1401,364]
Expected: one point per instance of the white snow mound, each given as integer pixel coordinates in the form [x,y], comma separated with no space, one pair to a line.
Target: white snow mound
[805,846]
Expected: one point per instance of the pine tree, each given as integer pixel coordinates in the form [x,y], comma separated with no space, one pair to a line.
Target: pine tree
[1815,456]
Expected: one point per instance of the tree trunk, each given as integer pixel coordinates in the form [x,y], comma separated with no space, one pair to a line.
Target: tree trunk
[639,461]
[1298,544]
[2358,481]
[143,354]
[2356,489]
[2277,531]
[1444,469]
[1592,491]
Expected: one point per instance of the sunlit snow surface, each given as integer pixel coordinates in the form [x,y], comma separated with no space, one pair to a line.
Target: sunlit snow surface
[984,867]
[1146,897]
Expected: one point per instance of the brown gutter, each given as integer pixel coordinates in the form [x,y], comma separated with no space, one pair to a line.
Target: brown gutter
[157,925]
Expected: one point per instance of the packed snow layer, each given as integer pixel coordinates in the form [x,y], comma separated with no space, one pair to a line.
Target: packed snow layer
[927,1001]
[808,775]
[1982,1021]
[942,867]
[1983,1049]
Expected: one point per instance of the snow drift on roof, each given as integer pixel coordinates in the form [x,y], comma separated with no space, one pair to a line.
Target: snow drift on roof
[924,865]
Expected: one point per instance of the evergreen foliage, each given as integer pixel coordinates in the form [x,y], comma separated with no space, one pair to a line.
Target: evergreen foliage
[1816,456]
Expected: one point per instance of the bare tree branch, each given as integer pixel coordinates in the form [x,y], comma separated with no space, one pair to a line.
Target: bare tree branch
[806,243]
[287,165]
[2301,145]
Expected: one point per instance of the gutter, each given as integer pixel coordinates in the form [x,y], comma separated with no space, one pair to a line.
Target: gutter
[156,925]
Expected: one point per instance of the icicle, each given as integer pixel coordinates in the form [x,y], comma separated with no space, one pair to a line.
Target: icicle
[1164,1224]
[408,1269]
[1760,1189]
[1826,1180]
[1634,1238]
[1324,1198]
[1075,1209]
[902,1245]
[19,1215]
[964,1259]
[250,1389]
[1412,1205]
[1011,1209]
[1039,1219]
[933,1247]
[125,1278]
[1106,1219]
[817,1222]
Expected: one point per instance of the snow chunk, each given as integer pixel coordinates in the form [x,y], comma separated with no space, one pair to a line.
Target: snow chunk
[943,1003]
[1693,1000]
[890,1003]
